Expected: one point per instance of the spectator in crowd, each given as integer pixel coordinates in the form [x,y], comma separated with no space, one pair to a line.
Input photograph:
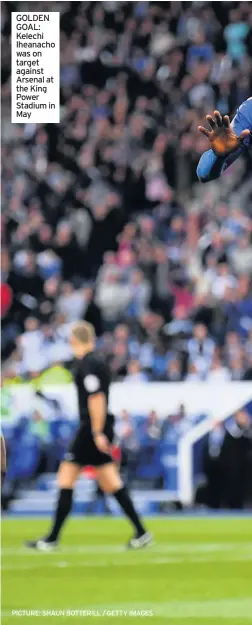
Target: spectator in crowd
[39,428]
[194,373]
[235,34]
[129,446]
[227,463]
[201,348]
[213,466]
[237,446]
[153,427]
[33,356]
[237,367]
[134,373]
[175,424]
[218,372]
[112,297]
[73,303]
[173,371]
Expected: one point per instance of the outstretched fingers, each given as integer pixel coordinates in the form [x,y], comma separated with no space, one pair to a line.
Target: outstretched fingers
[226,121]
[214,121]
[218,118]
[211,121]
[204,131]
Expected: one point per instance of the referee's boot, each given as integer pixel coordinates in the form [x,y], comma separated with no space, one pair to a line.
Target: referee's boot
[140,541]
[42,544]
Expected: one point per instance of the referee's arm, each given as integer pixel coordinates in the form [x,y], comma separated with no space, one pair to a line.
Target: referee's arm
[97,411]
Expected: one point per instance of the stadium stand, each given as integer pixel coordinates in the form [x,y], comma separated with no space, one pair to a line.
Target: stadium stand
[103,219]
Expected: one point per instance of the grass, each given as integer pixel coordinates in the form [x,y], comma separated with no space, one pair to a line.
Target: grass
[199,572]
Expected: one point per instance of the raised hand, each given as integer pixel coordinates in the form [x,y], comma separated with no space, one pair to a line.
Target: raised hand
[222,138]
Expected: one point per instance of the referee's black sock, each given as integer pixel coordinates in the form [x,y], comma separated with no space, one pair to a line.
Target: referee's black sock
[124,500]
[63,509]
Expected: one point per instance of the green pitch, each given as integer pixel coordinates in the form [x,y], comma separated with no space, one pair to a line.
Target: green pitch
[199,572]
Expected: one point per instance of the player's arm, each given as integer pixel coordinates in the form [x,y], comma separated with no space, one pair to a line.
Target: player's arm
[227,141]
[3,459]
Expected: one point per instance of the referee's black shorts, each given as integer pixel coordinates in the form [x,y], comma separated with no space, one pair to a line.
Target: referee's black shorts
[83,451]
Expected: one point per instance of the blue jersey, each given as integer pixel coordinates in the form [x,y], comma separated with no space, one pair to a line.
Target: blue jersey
[212,166]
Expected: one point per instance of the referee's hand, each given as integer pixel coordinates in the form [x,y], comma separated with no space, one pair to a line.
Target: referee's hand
[102,443]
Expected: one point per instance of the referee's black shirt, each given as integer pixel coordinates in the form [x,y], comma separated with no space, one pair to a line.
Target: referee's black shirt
[91,376]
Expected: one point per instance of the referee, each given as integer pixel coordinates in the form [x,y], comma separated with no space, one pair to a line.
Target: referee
[91,445]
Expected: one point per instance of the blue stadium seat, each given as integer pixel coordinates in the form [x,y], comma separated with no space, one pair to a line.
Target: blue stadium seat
[24,458]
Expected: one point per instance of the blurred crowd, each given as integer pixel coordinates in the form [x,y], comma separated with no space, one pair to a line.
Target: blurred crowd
[147,448]
[102,215]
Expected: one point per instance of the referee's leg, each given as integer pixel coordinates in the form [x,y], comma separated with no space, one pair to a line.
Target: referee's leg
[110,482]
[67,476]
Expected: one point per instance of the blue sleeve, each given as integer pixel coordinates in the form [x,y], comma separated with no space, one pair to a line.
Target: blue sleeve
[243,117]
[211,166]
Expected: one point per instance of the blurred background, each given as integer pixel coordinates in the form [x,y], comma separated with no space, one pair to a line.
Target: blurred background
[103,219]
